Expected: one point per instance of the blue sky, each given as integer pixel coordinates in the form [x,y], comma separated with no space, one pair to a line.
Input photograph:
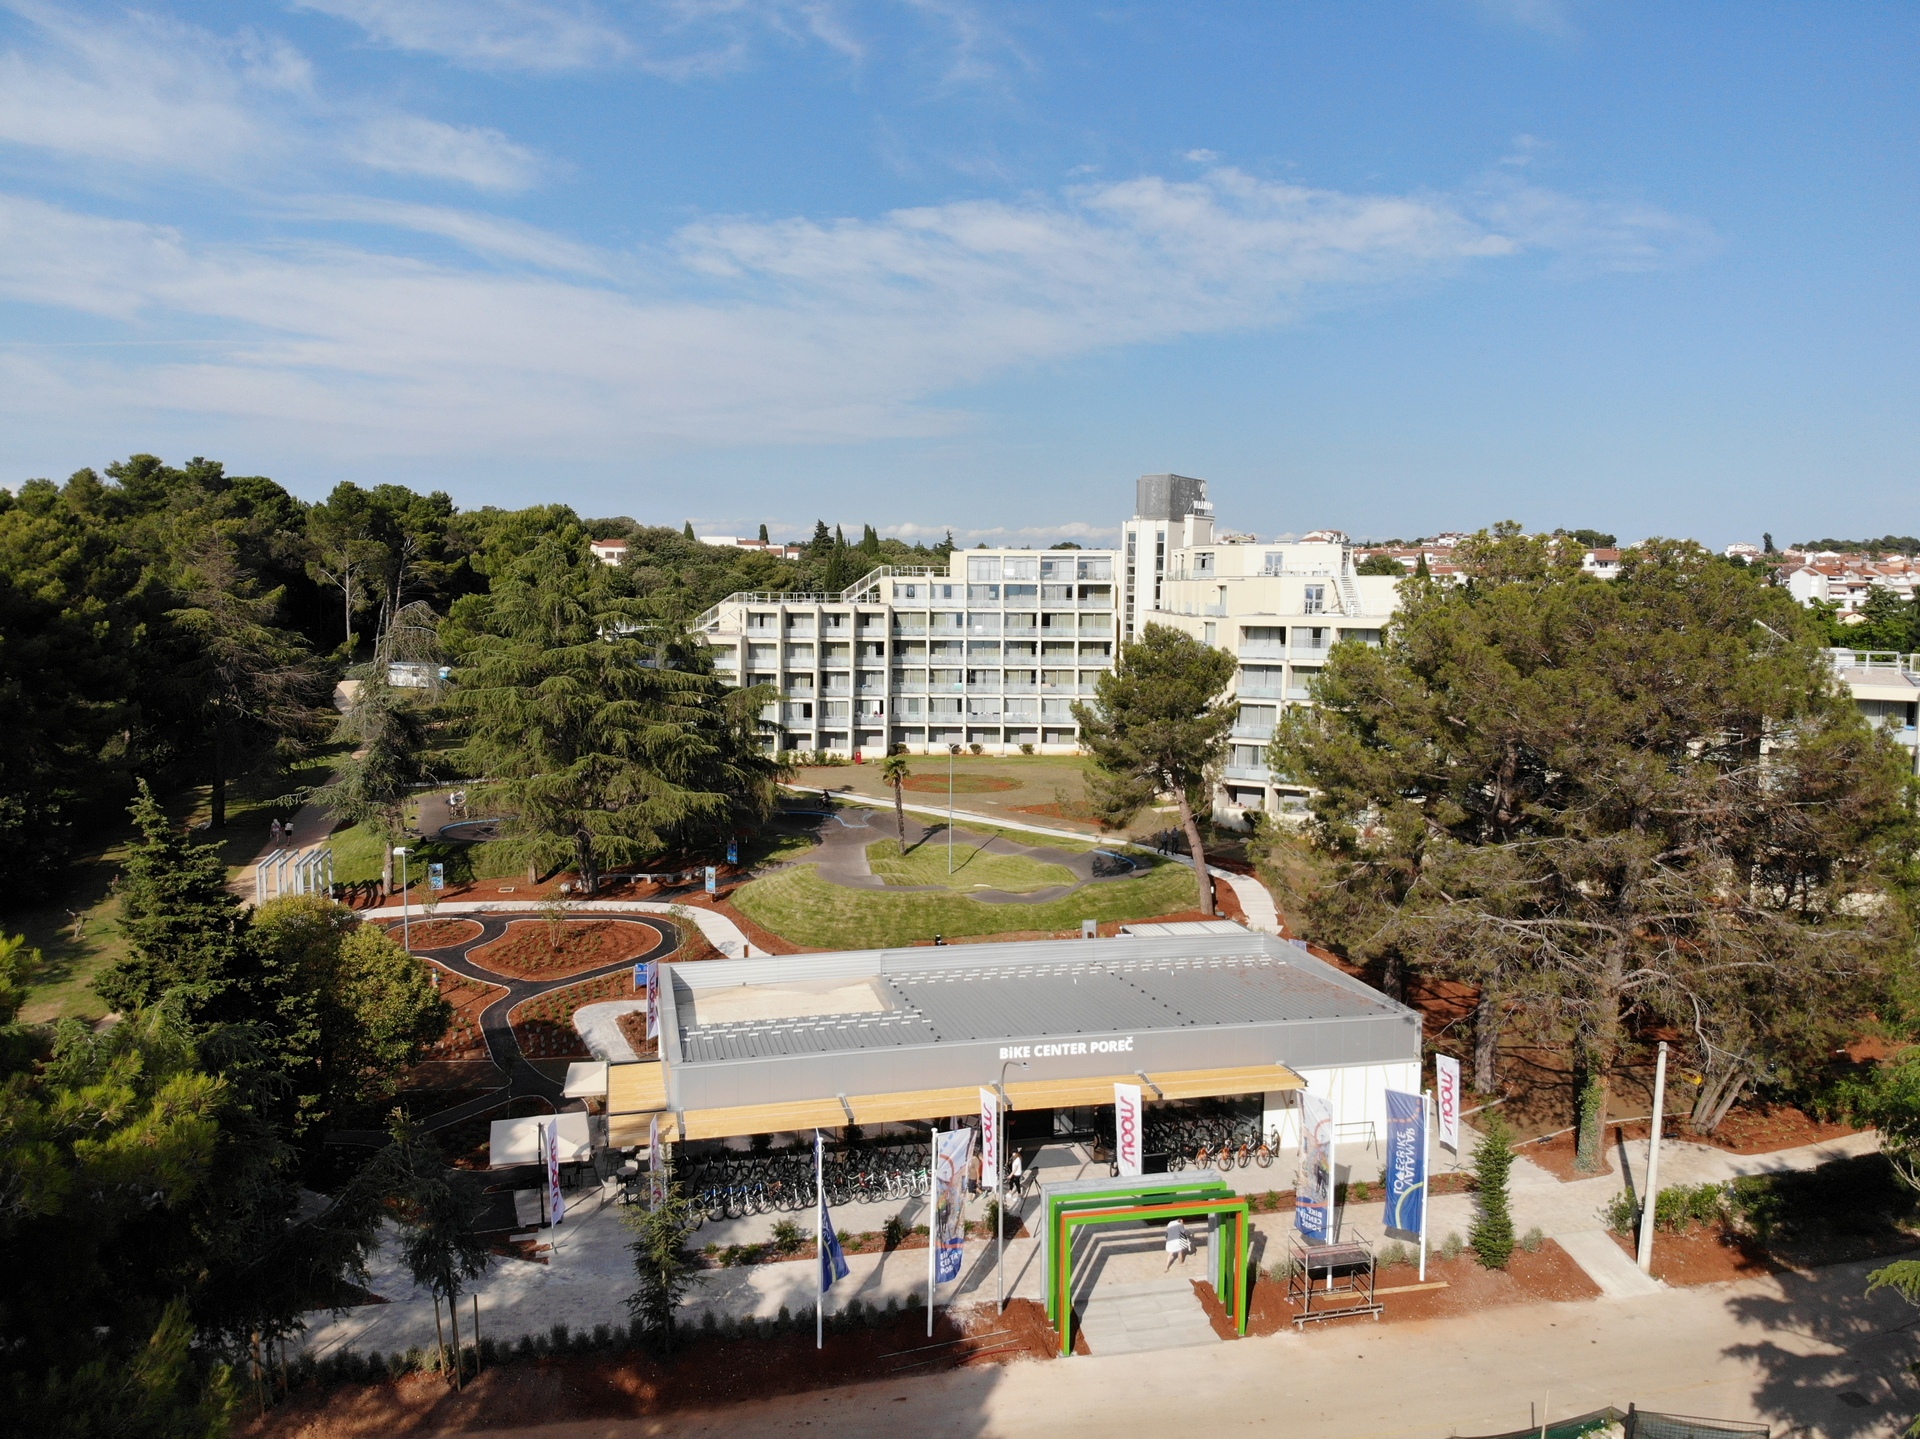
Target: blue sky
[932,263]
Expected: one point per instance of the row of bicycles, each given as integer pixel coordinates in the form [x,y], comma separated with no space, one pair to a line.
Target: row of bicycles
[730,1185]
[1212,1142]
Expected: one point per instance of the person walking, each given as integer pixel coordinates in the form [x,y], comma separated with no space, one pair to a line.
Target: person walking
[276,833]
[1178,1244]
[1016,1176]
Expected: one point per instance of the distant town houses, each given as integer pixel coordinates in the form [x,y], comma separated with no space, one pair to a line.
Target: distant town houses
[1846,580]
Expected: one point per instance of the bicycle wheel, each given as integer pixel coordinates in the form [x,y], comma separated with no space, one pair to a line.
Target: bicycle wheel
[1263,1156]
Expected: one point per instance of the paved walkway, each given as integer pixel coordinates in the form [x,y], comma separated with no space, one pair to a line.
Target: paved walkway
[1806,1356]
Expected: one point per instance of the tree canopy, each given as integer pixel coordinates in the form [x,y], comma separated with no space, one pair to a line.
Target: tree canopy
[1607,804]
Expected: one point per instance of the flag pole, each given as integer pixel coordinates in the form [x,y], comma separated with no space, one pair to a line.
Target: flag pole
[999,1205]
[819,1243]
[1426,1180]
[1650,1200]
[933,1213]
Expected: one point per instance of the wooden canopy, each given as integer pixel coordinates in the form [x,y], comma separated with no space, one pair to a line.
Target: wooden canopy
[637,1095]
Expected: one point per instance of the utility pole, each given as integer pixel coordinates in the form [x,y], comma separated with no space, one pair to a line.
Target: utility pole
[1650,1200]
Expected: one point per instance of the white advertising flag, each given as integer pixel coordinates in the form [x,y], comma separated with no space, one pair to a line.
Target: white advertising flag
[1127,1129]
[989,1139]
[1446,1099]
[653,1000]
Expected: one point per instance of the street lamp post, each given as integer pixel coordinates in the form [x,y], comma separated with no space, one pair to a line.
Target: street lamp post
[406,942]
[952,750]
[1000,1183]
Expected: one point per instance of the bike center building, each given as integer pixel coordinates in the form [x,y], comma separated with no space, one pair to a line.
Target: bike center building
[910,1036]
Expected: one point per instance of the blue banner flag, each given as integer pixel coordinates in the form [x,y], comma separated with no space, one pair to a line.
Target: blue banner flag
[733,851]
[1406,1162]
[1313,1182]
[833,1260]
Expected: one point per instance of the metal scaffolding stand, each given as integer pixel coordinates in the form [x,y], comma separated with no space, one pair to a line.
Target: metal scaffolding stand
[293,871]
[1330,1281]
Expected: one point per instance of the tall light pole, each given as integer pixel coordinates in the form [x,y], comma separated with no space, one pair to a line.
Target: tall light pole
[406,942]
[1651,1199]
[1000,1184]
[952,750]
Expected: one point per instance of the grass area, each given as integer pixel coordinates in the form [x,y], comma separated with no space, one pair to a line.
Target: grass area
[357,858]
[973,868]
[806,909]
[78,930]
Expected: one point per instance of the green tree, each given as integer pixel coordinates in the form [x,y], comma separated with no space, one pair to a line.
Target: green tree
[250,681]
[763,535]
[687,532]
[1421,569]
[1492,1232]
[373,784]
[438,1209]
[664,1264]
[606,738]
[1379,564]
[351,1009]
[1596,801]
[1157,726]
[185,930]
[894,770]
[1887,623]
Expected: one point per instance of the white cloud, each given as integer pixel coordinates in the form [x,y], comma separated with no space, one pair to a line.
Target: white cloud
[1552,18]
[487,235]
[739,332]
[413,145]
[148,91]
[488,34]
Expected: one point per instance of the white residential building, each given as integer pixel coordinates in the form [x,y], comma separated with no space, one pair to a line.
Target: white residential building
[1170,512]
[608,552]
[992,651]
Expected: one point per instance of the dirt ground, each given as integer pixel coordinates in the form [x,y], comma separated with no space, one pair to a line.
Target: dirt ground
[1461,1287]
[706,1371]
[525,949]
[468,997]
[1758,1129]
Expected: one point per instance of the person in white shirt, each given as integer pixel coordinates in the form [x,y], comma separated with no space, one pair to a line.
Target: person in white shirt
[1177,1243]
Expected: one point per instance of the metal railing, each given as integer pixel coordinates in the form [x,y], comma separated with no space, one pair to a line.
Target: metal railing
[1891,660]
[1247,772]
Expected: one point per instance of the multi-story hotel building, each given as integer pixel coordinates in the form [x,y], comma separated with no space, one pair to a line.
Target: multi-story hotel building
[992,651]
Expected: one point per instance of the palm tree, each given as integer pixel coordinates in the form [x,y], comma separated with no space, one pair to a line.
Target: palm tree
[894,771]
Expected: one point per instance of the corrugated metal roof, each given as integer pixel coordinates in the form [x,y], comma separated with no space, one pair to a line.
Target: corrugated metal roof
[1105,993]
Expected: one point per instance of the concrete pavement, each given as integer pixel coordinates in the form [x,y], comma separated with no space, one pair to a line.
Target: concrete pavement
[1808,1356]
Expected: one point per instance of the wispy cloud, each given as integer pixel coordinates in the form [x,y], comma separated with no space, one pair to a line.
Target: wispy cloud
[472,155]
[739,331]
[535,35]
[1552,18]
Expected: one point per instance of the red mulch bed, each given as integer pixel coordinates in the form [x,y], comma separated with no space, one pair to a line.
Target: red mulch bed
[543,1025]
[468,997]
[1546,1275]
[585,944]
[1704,1254]
[705,1372]
[633,1029]
[435,933]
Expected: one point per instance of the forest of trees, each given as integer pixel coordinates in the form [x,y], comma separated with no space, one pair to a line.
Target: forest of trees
[176,622]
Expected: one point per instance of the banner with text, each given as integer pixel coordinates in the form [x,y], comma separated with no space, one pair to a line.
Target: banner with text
[1446,1099]
[989,1139]
[1127,1129]
[653,999]
[952,1151]
[1313,1184]
[656,1170]
[1406,1161]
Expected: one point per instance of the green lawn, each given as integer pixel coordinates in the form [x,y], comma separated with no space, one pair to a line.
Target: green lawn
[357,858]
[804,908]
[973,868]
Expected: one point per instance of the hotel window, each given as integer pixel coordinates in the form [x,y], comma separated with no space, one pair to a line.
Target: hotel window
[1315,602]
[983,570]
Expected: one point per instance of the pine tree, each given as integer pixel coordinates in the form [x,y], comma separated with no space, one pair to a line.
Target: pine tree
[1420,568]
[763,535]
[870,543]
[184,928]
[1492,1233]
[686,532]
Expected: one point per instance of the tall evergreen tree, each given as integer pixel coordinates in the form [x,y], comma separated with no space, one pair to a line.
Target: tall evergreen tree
[1157,726]
[372,784]
[687,532]
[186,931]
[1492,1232]
[763,534]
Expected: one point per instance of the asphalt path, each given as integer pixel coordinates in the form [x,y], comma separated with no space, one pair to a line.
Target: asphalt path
[522,1080]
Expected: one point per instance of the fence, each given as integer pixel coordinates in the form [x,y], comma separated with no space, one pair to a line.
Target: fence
[293,871]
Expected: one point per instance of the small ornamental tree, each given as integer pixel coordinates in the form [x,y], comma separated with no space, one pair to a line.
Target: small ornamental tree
[664,1264]
[1156,727]
[1492,1232]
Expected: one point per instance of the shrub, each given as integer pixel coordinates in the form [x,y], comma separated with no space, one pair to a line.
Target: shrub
[1622,1214]
[786,1237]
[786,1320]
[1394,1253]
[1675,1209]
[1359,1192]
[524,1347]
[893,1231]
[1026,748]
[710,1323]
[1532,1240]
[1452,1247]
[1492,1233]
[560,1338]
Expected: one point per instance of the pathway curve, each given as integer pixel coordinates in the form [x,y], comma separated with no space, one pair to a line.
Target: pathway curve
[1256,901]
[842,858]
[523,1079]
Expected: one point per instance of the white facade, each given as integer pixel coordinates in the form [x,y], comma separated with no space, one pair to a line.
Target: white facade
[993,651]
